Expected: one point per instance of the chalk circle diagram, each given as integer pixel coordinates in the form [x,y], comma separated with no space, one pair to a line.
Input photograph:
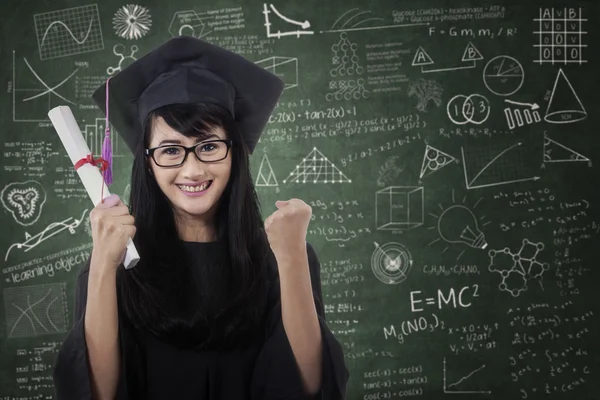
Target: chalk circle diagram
[434,160]
[503,75]
[391,262]
[132,21]
[345,64]
[564,106]
[24,200]
[518,268]
[474,108]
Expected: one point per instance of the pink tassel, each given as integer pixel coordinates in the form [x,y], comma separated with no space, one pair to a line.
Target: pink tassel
[107,155]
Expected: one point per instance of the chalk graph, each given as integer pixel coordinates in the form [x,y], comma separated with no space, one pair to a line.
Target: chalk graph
[69,31]
[35,310]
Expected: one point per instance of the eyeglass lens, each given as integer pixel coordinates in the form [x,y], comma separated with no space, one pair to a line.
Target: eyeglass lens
[174,155]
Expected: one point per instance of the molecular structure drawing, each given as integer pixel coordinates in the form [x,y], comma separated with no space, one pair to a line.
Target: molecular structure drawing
[518,268]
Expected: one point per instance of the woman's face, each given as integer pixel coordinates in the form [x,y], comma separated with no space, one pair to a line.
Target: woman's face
[181,184]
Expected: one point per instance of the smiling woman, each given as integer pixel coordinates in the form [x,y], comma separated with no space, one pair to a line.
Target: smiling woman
[187,152]
[206,313]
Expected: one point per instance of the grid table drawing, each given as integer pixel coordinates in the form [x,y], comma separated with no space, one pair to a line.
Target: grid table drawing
[560,35]
[69,31]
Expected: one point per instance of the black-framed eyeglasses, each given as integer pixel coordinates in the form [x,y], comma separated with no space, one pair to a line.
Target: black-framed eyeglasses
[174,155]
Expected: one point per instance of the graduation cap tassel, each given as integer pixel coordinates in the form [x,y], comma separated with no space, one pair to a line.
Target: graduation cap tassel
[106,145]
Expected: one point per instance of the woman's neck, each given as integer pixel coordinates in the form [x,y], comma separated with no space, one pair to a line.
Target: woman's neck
[195,230]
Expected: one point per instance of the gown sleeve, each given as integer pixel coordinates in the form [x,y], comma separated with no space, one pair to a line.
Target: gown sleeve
[70,372]
[277,375]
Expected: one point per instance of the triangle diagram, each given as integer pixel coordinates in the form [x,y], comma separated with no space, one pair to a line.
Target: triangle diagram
[266,176]
[564,105]
[471,53]
[434,160]
[421,58]
[316,168]
[557,152]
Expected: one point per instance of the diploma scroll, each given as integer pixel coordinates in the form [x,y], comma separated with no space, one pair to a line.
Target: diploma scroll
[66,126]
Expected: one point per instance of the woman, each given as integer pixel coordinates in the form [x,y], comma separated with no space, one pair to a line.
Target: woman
[218,307]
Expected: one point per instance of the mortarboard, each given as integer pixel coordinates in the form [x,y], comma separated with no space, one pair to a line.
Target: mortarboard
[190,70]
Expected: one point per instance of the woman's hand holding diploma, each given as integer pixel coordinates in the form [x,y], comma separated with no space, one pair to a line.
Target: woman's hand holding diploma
[112,226]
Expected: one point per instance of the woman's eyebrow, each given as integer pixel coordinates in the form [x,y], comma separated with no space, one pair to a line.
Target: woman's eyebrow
[177,141]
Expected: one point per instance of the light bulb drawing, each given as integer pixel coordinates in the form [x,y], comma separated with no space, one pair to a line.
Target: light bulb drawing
[458,224]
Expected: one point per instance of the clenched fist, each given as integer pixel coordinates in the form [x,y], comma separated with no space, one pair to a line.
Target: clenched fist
[286,228]
[112,226]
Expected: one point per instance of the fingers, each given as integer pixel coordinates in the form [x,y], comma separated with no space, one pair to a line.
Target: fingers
[124,220]
[129,230]
[110,201]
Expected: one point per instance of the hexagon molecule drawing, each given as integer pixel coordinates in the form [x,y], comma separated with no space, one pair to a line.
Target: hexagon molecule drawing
[518,268]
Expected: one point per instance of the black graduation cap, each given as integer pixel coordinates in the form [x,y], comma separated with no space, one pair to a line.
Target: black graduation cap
[190,70]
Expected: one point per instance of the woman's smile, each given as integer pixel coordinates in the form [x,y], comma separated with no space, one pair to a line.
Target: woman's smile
[197,189]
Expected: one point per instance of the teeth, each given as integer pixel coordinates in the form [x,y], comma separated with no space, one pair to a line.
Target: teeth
[194,188]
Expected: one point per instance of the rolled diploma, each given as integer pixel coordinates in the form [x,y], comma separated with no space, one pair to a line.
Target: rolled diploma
[66,126]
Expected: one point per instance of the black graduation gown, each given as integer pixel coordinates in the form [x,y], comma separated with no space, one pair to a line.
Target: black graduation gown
[267,370]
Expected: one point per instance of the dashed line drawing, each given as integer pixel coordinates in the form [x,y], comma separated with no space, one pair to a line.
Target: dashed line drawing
[24,200]
[555,152]
[425,90]
[189,23]
[560,36]
[68,31]
[503,75]
[564,106]
[391,262]
[353,14]
[132,21]
[470,57]
[125,60]
[286,68]
[304,25]
[266,176]
[461,380]
[35,310]
[469,183]
[51,230]
[518,268]
[434,160]
[23,99]
[521,116]
[316,168]
[346,65]
[458,224]
[399,208]
[474,108]
[389,171]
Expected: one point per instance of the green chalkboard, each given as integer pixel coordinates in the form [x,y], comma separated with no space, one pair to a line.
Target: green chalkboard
[449,153]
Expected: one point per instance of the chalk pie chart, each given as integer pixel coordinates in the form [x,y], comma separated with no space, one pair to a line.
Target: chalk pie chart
[503,75]
[391,262]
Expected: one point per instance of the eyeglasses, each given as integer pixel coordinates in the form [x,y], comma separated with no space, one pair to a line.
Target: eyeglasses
[173,155]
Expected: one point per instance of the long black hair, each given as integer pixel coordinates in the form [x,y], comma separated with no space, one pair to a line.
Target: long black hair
[160,295]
